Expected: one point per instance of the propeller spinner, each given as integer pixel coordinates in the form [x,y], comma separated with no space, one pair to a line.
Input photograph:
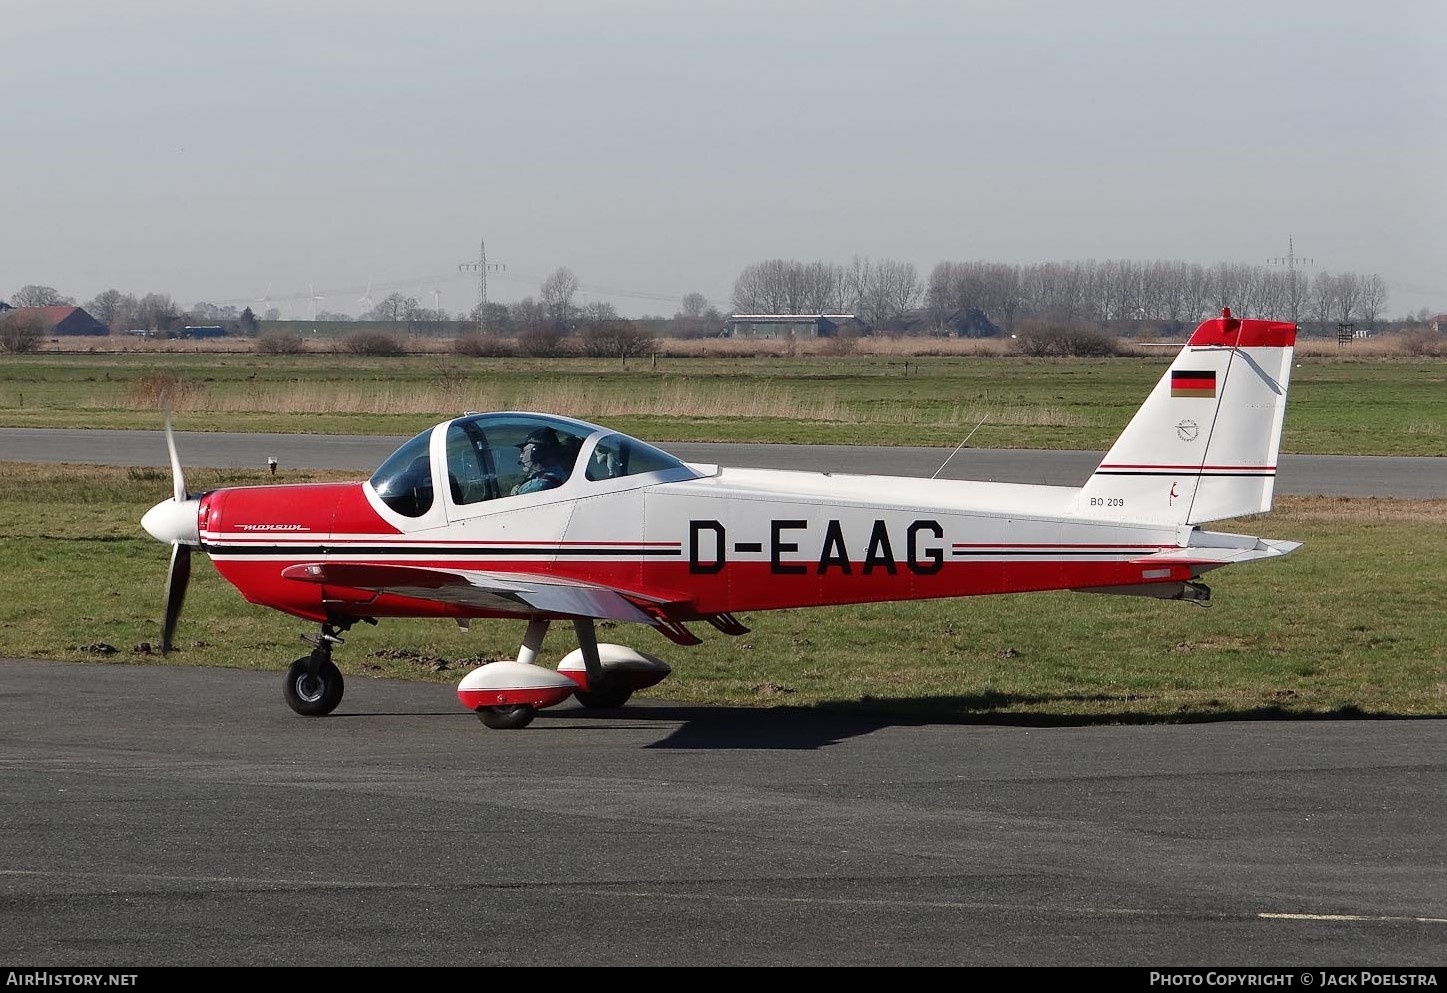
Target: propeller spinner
[176,522]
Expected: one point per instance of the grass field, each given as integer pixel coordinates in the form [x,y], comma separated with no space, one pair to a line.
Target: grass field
[1350,624]
[1341,402]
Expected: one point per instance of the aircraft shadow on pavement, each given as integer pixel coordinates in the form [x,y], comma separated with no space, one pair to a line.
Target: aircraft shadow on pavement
[718,727]
[813,727]
[710,726]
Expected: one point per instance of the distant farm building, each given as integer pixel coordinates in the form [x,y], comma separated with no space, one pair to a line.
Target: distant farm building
[784,325]
[966,322]
[202,331]
[61,320]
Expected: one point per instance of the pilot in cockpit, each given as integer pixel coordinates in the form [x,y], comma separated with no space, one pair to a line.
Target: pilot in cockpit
[544,458]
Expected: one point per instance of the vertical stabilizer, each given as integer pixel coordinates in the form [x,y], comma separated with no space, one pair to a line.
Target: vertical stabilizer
[1204,445]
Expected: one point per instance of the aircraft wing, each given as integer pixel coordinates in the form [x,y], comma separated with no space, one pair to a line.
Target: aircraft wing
[524,595]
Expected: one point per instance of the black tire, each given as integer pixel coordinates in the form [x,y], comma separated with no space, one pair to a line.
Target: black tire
[312,696]
[606,697]
[510,718]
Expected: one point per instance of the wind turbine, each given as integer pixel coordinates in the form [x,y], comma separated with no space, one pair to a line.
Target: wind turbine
[366,300]
[315,300]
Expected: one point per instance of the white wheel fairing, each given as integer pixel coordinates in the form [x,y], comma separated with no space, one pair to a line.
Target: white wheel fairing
[509,683]
[637,670]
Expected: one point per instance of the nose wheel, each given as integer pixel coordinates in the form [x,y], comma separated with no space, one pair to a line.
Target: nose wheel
[314,684]
[313,693]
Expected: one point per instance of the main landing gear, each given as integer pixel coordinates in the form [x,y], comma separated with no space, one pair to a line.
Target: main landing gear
[508,695]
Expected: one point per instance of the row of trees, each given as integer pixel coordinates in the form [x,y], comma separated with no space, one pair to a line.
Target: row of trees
[886,294]
[555,310]
[126,311]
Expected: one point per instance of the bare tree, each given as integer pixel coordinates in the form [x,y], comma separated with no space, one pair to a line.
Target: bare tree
[1373,297]
[1347,299]
[204,311]
[496,319]
[39,296]
[528,314]
[600,311]
[1274,298]
[156,310]
[1323,296]
[108,306]
[615,339]
[394,307]
[19,334]
[762,288]
[886,290]
[782,286]
[557,294]
[1120,289]
[823,288]
[694,304]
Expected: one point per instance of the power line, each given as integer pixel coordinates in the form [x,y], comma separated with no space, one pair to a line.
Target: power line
[481,266]
[1291,260]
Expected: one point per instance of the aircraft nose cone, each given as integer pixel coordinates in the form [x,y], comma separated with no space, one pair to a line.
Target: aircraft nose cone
[171,521]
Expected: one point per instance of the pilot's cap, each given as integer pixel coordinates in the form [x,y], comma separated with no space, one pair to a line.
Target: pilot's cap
[542,438]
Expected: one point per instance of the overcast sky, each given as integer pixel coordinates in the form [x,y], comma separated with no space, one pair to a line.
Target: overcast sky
[229,152]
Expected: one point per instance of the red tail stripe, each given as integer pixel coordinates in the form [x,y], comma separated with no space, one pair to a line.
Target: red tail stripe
[1245,333]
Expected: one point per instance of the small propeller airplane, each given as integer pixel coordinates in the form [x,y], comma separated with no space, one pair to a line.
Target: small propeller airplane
[545,518]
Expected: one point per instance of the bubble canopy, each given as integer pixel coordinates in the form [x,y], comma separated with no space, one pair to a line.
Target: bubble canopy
[485,459]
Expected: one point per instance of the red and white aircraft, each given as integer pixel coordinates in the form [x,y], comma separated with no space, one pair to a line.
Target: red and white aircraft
[627,532]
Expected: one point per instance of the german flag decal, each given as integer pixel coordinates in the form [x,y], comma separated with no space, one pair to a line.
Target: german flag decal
[1193,384]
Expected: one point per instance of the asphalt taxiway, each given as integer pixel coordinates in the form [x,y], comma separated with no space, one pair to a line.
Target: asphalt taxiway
[158,816]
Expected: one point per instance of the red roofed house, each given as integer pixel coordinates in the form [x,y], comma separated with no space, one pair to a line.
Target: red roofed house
[61,320]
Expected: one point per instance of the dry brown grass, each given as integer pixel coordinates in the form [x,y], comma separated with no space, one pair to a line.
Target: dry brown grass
[693,400]
[1410,345]
[682,400]
[1406,345]
[1361,509]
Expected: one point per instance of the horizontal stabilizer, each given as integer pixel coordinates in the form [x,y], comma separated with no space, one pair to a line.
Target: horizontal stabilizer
[1264,548]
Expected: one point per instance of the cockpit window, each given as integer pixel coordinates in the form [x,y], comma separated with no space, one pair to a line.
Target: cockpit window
[404,482]
[496,455]
[618,455]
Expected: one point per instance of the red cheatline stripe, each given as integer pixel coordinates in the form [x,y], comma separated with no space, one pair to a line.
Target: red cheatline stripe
[1187,468]
[1046,544]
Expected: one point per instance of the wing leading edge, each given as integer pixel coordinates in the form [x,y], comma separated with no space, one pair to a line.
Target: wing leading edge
[507,593]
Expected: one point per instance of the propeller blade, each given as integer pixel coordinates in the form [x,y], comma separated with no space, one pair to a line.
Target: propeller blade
[177,578]
[178,479]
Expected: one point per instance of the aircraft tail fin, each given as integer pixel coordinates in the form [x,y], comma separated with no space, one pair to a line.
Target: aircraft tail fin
[1204,445]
